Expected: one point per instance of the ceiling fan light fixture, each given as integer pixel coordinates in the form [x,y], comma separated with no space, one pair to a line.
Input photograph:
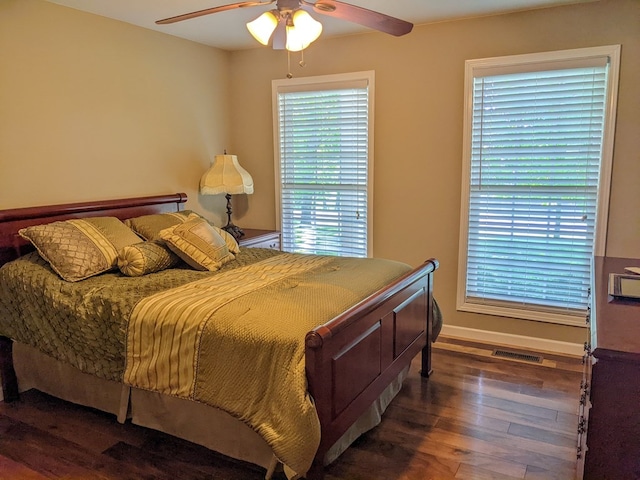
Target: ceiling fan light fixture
[304,30]
[262,27]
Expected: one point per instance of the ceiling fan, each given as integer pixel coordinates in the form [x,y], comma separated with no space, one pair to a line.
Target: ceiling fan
[289,26]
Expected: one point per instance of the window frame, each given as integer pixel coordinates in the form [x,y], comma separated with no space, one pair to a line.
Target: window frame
[320,83]
[532,62]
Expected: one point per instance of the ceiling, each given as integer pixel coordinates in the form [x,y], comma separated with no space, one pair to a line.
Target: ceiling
[226,30]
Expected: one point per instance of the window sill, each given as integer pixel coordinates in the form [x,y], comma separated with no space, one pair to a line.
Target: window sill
[571,319]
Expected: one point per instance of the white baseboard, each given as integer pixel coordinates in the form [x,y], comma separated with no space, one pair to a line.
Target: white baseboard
[520,341]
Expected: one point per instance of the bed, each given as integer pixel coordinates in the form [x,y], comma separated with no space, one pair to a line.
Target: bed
[353,360]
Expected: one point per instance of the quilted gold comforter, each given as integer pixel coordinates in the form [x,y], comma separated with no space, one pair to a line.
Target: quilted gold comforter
[233,339]
[84,323]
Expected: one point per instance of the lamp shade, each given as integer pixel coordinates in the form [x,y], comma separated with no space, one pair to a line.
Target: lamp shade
[305,29]
[226,176]
[262,27]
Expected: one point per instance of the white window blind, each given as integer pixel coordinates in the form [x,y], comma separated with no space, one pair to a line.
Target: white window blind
[535,162]
[323,138]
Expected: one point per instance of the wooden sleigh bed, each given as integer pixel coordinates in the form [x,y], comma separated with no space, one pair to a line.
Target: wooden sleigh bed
[354,362]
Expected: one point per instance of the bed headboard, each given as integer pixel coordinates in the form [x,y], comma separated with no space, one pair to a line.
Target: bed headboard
[13,245]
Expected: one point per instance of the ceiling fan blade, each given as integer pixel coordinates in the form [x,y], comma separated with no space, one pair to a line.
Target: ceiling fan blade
[209,11]
[368,18]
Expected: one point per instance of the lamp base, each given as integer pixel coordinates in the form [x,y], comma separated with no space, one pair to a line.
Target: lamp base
[234,230]
[230,227]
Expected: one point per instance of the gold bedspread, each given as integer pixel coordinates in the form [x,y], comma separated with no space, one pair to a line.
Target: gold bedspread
[236,341]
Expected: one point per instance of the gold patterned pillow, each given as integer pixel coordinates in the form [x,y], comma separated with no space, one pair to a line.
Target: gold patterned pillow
[146,257]
[198,243]
[149,226]
[81,248]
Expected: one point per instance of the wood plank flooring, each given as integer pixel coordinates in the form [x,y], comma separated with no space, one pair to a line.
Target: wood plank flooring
[477,417]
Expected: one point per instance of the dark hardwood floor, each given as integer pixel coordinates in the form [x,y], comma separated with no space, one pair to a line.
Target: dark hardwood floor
[477,417]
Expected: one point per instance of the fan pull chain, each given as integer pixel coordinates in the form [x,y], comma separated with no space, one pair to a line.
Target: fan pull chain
[302,63]
[289,74]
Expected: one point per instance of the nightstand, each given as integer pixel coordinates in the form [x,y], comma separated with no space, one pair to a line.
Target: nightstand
[260,239]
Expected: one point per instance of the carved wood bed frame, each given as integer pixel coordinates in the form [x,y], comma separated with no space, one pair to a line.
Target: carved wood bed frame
[350,360]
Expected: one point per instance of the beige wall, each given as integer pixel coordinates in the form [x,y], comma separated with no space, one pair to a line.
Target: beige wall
[93,108]
[418,129]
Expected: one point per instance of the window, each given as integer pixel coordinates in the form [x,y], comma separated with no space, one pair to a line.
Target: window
[538,144]
[323,154]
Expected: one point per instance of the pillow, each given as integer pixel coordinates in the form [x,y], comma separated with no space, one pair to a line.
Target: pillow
[81,248]
[229,239]
[149,226]
[146,257]
[198,243]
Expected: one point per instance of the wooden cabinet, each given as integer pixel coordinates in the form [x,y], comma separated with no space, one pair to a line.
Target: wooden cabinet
[260,239]
[609,424]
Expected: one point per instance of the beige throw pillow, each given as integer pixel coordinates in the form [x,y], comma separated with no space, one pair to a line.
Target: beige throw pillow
[229,239]
[198,243]
[81,248]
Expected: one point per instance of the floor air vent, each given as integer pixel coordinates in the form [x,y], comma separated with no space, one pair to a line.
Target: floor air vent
[517,356]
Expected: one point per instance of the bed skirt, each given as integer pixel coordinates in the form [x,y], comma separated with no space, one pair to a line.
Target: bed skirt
[196,422]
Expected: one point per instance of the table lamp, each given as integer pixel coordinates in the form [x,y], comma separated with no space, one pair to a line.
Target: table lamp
[225,175]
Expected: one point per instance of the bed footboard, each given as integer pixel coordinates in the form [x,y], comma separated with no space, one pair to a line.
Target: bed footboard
[354,357]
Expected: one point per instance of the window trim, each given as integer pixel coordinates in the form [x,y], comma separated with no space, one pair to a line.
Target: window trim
[525,61]
[326,82]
